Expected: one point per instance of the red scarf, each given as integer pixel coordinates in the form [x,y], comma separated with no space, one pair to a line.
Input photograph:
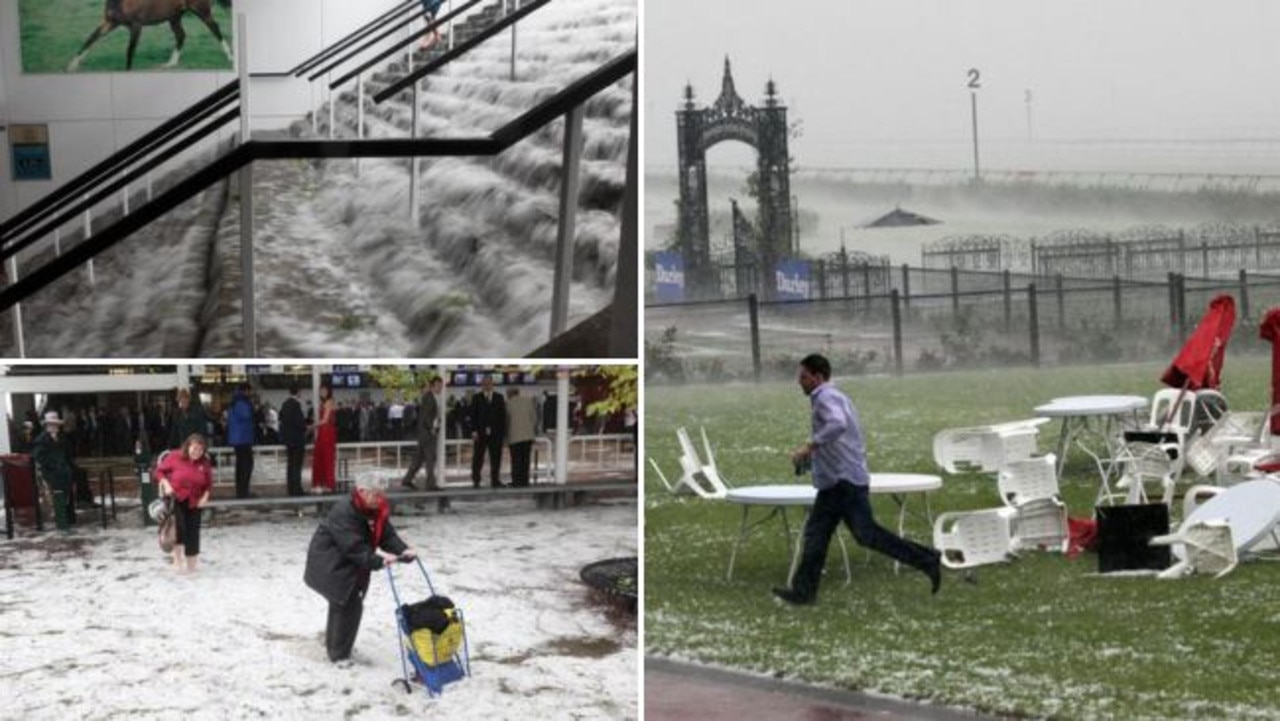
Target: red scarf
[379,514]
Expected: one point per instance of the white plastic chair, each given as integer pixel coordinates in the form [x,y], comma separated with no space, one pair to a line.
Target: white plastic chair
[700,478]
[986,449]
[1028,480]
[974,538]
[1040,524]
[1208,548]
[1144,463]
[1165,418]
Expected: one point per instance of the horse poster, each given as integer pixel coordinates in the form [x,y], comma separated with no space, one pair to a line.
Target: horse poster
[67,36]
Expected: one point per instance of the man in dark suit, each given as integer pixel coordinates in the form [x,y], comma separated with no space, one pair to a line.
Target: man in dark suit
[488,427]
[293,435]
[428,425]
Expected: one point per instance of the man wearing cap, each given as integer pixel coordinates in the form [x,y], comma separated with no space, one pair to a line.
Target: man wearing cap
[52,456]
[355,539]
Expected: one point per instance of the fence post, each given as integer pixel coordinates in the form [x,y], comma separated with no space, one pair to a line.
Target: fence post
[895,302]
[844,270]
[1181,295]
[753,311]
[1062,310]
[1244,293]
[1006,281]
[1173,298]
[821,265]
[1116,300]
[866,280]
[955,291]
[1034,322]
[906,284]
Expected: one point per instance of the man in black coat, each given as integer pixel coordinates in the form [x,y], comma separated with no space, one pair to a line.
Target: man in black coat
[354,539]
[293,435]
[488,428]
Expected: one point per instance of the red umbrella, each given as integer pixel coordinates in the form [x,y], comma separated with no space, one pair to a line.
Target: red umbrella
[1270,331]
[1199,364]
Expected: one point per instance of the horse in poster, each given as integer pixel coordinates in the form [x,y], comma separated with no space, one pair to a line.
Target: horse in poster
[137,14]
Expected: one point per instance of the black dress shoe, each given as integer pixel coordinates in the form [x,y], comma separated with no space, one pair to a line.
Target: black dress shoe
[409,485]
[934,572]
[791,597]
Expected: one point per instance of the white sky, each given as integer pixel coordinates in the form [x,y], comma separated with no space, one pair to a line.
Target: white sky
[871,71]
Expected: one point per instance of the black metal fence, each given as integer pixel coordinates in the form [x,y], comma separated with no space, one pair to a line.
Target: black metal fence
[929,319]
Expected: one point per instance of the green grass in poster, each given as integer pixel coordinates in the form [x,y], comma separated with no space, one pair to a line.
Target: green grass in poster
[54,30]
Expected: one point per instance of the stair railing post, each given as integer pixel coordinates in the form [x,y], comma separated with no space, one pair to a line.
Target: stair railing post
[17,308]
[248,328]
[569,181]
[88,232]
[359,114]
[511,7]
[413,164]
[626,291]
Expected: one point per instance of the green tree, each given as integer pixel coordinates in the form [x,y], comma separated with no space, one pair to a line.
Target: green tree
[623,394]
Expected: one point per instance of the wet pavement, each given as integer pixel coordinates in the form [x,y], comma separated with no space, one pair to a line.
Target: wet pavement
[675,690]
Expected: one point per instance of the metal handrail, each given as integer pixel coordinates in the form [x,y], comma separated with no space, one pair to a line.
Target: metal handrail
[167,131]
[14,246]
[172,127]
[511,133]
[395,48]
[506,22]
[353,37]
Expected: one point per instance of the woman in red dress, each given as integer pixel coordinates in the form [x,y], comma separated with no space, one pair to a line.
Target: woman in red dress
[324,457]
[186,474]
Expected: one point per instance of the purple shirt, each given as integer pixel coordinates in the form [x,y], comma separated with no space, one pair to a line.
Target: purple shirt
[839,453]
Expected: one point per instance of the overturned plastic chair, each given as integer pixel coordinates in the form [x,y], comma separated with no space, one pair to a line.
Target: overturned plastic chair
[1032,479]
[697,477]
[1039,525]
[986,449]
[974,538]
[1207,548]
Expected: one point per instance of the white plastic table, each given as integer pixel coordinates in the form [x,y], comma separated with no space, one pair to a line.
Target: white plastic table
[778,497]
[1076,413]
[1251,509]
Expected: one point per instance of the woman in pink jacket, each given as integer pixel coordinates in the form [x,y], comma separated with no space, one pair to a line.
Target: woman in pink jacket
[187,475]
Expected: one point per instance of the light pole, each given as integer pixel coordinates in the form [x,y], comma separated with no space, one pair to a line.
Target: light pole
[974,85]
[1026,96]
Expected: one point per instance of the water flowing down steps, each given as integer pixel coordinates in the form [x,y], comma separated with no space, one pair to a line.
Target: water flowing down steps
[340,270]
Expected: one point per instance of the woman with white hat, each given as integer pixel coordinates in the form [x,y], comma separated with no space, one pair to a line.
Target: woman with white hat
[53,457]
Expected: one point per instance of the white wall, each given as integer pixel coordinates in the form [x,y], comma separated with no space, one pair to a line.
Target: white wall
[91,115]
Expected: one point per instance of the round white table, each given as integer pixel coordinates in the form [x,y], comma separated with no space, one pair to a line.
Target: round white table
[1076,413]
[1251,509]
[779,497]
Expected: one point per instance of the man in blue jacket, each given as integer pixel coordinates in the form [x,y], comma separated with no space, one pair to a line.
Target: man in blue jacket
[837,454]
[240,428]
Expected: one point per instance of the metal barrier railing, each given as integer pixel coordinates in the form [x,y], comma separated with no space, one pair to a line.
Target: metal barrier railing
[607,452]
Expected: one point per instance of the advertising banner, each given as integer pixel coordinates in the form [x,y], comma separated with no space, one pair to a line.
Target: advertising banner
[792,278]
[67,36]
[668,267]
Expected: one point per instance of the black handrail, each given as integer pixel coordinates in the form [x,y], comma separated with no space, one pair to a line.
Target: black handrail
[355,36]
[573,95]
[488,32]
[102,192]
[19,225]
[512,133]
[161,133]
[394,48]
